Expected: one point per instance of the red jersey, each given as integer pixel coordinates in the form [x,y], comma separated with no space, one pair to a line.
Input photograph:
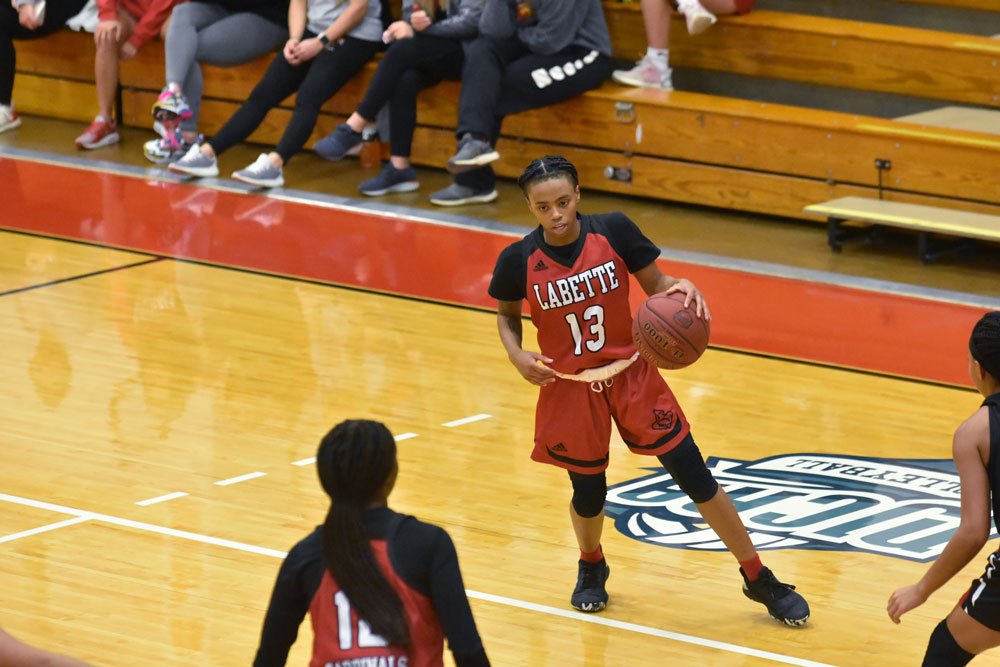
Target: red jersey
[578,295]
[341,639]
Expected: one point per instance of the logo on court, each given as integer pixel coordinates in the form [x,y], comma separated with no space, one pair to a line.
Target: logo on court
[907,508]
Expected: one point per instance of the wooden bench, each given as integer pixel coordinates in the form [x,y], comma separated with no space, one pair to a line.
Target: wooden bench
[926,220]
[686,147]
[985,5]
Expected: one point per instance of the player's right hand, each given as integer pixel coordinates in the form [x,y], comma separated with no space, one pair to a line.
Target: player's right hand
[532,366]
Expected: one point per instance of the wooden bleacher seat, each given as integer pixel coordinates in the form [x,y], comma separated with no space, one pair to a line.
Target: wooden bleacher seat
[985,5]
[926,220]
[687,147]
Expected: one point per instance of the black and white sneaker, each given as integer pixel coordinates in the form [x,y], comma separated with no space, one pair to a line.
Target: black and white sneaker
[472,154]
[781,600]
[389,180]
[590,594]
[460,195]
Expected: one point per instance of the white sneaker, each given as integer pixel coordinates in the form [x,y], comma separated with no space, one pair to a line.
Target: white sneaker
[196,163]
[698,18]
[645,73]
[8,118]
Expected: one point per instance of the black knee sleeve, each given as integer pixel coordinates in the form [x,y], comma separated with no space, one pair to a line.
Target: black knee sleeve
[944,651]
[686,465]
[589,492]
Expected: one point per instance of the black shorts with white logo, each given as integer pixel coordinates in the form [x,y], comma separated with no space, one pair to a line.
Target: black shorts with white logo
[982,600]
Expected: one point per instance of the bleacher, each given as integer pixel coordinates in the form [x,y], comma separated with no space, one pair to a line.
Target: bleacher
[693,147]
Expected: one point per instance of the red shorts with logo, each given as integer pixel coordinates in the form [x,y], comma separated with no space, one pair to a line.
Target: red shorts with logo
[573,421]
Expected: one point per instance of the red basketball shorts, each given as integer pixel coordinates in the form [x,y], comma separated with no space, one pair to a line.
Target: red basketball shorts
[573,421]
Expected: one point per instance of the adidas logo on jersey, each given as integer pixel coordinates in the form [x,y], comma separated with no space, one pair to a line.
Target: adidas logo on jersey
[541,266]
[559,448]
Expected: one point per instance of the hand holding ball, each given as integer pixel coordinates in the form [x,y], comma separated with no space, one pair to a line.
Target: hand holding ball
[668,334]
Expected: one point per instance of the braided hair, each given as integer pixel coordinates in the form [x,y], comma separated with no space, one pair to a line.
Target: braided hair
[547,168]
[354,461]
[984,343]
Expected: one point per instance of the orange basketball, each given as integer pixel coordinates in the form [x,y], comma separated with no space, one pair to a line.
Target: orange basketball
[667,334]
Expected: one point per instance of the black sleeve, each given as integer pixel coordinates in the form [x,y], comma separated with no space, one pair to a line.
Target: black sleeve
[509,275]
[629,242]
[298,581]
[431,567]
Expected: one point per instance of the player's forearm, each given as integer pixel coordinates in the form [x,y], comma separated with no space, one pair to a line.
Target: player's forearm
[961,548]
[511,333]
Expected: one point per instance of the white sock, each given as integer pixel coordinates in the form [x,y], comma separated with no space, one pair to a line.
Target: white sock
[660,57]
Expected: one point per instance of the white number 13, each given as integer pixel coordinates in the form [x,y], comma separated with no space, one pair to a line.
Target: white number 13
[596,342]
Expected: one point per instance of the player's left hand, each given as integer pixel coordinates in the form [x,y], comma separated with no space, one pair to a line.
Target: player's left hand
[307,49]
[397,30]
[420,20]
[903,600]
[128,51]
[686,287]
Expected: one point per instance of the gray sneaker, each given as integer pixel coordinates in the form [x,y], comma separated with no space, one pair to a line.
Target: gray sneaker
[391,180]
[342,141]
[460,195]
[472,154]
[196,163]
[261,173]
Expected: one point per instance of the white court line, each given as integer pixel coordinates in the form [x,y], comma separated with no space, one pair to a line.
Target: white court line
[241,478]
[531,606]
[467,420]
[406,436]
[45,529]
[304,462]
[160,499]
[139,525]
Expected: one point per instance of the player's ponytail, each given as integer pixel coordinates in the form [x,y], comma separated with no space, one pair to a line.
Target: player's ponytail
[546,168]
[355,459]
[984,343]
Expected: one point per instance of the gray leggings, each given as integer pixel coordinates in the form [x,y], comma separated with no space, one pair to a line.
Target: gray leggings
[205,32]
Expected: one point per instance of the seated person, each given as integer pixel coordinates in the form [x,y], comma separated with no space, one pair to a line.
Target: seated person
[424,50]
[529,54]
[653,70]
[330,41]
[20,20]
[125,27]
[224,33]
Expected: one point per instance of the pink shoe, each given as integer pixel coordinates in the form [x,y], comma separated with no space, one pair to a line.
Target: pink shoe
[100,133]
[698,18]
[645,73]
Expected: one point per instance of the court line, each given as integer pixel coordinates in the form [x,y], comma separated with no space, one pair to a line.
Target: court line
[406,436]
[139,525]
[45,529]
[241,478]
[82,276]
[304,462]
[467,420]
[82,515]
[160,499]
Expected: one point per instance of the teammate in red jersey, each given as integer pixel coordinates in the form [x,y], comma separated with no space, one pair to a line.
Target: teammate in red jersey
[573,271]
[381,588]
[973,625]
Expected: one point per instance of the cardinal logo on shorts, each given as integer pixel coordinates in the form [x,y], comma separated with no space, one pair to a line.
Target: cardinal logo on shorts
[663,420]
[906,508]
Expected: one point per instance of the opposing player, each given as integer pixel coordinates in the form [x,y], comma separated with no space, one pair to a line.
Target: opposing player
[379,586]
[573,270]
[974,624]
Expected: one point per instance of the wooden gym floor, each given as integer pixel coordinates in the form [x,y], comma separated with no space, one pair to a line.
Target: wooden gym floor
[160,414]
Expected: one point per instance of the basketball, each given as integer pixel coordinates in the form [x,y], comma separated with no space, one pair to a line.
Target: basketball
[667,334]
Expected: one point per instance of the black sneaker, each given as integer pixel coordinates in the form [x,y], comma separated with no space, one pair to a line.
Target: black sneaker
[781,600]
[391,180]
[589,594]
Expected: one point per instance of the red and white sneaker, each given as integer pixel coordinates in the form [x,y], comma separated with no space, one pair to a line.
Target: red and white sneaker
[8,118]
[645,73]
[697,17]
[100,133]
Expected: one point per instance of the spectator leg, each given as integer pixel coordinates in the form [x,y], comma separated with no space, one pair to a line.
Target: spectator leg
[106,68]
[482,82]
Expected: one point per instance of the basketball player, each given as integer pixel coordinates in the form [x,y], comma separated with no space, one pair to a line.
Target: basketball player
[380,587]
[573,270]
[974,624]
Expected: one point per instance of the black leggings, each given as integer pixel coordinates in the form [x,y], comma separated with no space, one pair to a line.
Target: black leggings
[409,66]
[56,15]
[315,82]
[502,76]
